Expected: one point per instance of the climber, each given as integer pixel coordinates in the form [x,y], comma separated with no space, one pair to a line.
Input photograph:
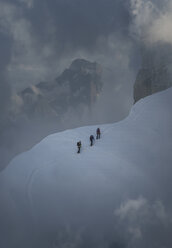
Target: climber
[79,146]
[91,140]
[98,133]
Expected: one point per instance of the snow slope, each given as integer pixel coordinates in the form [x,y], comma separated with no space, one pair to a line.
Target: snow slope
[114,194]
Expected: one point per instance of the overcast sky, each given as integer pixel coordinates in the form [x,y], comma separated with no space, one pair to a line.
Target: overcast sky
[37,35]
[42,37]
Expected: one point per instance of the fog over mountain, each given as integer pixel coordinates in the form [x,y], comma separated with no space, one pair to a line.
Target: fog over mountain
[41,38]
[73,63]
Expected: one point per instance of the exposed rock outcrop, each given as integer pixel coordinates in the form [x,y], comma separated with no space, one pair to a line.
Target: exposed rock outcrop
[79,84]
[155,74]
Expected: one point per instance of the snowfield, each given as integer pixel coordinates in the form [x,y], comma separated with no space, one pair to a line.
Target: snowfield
[115,194]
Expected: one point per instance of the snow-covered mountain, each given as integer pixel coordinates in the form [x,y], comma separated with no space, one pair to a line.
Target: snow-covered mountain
[115,194]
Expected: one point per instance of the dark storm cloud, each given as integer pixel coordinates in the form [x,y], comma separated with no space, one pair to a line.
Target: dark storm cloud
[47,35]
[96,30]
[78,23]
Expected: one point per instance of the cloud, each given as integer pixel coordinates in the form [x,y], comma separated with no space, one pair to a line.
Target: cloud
[152,21]
[131,208]
[48,35]
[29,3]
[40,55]
[45,36]
[17,28]
[27,65]
[138,218]
[143,13]
[161,27]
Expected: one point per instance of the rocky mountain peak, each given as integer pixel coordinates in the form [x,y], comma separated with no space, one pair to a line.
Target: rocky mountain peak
[79,84]
[82,65]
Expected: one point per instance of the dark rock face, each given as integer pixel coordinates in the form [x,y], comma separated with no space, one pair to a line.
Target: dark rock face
[79,84]
[155,74]
[47,107]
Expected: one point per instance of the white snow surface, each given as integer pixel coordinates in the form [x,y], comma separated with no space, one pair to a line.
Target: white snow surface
[115,192]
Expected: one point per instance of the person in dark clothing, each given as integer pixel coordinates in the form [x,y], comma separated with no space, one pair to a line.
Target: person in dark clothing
[79,146]
[98,133]
[91,140]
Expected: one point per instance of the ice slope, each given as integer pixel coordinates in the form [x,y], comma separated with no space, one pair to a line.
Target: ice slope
[116,192]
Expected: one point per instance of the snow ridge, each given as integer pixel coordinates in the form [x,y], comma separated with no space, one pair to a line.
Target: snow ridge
[118,188]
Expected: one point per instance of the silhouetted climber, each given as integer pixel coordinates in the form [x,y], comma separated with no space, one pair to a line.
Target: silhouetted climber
[79,146]
[91,140]
[98,133]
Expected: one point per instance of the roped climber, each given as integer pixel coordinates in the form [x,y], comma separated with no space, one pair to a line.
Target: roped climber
[98,133]
[91,140]
[79,146]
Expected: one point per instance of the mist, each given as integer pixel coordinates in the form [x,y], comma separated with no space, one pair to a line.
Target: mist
[39,40]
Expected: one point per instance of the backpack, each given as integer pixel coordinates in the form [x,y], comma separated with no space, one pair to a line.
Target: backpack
[79,143]
[98,130]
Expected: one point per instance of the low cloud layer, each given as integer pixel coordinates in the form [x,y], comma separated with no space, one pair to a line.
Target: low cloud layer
[152,20]
[141,220]
[160,30]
